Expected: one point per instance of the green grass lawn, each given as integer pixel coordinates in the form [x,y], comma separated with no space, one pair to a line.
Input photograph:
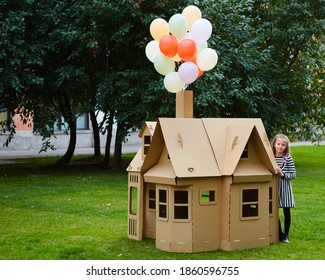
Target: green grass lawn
[80,212]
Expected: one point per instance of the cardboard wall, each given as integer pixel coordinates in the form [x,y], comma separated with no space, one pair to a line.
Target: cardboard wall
[274,217]
[207,215]
[135,219]
[249,232]
[173,235]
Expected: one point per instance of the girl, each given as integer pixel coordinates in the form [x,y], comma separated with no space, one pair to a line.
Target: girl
[286,171]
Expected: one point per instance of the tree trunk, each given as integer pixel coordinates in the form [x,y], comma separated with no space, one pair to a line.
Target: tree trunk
[95,133]
[117,159]
[72,144]
[109,139]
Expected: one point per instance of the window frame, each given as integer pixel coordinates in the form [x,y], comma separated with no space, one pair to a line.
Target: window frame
[146,145]
[187,204]
[162,203]
[153,200]
[6,119]
[133,203]
[249,203]
[210,202]
[61,125]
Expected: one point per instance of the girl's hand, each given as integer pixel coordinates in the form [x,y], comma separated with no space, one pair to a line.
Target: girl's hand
[278,171]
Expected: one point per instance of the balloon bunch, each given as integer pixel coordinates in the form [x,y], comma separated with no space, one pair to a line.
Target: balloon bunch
[181,44]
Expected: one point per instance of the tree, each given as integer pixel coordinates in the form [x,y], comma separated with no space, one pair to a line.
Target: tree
[130,90]
[74,63]
[18,57]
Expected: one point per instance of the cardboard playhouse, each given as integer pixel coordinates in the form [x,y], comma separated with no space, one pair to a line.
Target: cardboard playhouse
[203,184]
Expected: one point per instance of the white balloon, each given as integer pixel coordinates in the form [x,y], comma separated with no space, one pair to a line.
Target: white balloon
[201,30]
[207,59]
[152,50]
[202,46]
[173,83]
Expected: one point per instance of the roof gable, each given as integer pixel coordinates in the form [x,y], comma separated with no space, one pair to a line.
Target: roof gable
[155,150]
[137,162]
[162,172]
[236,140]
[229,137]
[148,126]
[189,147]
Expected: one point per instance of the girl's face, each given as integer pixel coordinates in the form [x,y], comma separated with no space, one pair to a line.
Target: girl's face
[280,145]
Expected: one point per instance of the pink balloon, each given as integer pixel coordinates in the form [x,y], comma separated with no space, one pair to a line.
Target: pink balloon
[188,72]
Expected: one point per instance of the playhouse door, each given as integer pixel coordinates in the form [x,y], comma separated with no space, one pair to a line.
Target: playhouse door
[149,223]
[174,218]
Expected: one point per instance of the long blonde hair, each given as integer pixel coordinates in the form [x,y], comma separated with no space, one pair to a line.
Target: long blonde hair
[282,136]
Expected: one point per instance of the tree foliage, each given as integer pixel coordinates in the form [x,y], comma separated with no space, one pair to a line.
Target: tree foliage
[271,63]
[62,58]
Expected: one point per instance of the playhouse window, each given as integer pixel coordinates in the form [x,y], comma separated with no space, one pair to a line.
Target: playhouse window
[133,200]
[207,197]
[162,201]
[181,205]
[146,143]
[152,199]
[4,119]
[245,152]
[249,203]
[133,178]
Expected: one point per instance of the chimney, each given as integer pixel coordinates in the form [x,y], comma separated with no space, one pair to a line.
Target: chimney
[184,104]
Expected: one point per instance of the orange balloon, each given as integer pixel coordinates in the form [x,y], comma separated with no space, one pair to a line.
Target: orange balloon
[187,49]
[168,45]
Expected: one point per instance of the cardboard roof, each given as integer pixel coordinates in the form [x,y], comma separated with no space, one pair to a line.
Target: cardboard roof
[204,147]
[151,127]
[251,172]
[159,171]
[189,147]
[229,137]
[137,161]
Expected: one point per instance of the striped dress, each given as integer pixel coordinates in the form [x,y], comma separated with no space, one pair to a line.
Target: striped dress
[285,189]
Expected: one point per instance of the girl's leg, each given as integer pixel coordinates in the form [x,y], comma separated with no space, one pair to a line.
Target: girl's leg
[287,220]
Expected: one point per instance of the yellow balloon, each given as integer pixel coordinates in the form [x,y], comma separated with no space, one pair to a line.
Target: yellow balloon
[159,28]
[177,58]
[192,13]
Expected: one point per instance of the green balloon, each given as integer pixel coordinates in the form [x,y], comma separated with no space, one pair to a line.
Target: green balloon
[178,25]
[164,64]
